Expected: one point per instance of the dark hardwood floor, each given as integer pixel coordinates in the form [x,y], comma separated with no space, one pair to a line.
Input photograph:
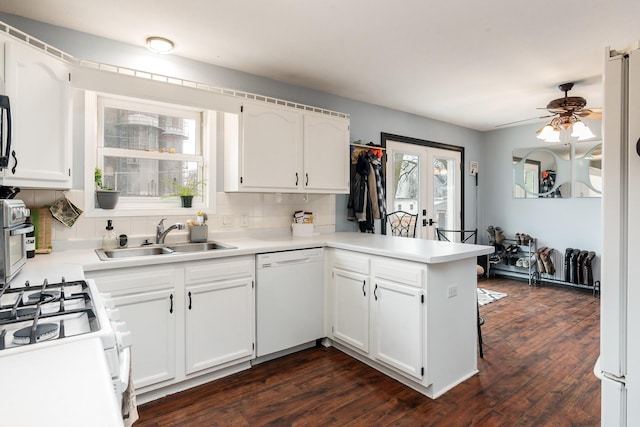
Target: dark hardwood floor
[540,345]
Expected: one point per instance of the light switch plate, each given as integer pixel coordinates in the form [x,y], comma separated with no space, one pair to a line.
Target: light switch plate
[452,291]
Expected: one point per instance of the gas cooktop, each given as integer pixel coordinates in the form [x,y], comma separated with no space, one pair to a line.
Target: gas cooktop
[30,314]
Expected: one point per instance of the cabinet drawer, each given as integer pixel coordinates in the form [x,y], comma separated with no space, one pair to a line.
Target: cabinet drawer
[133,280]
[400,272]
[351,261]
[219,269]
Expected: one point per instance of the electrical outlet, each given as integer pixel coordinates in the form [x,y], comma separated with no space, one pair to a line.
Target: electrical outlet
[244,220]
[452,291]
[227,220]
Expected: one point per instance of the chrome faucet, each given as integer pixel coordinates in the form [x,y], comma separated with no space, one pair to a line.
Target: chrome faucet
[161,233]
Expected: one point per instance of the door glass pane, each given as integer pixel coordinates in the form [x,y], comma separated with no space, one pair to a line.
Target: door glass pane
[444,192]
[406,182]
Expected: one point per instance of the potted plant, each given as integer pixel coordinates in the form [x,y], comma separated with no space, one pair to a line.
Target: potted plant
[186,191]
[107,197]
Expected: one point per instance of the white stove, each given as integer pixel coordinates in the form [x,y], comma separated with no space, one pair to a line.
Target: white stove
[60,317]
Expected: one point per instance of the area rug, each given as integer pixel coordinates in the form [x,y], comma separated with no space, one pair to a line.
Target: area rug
[485,296]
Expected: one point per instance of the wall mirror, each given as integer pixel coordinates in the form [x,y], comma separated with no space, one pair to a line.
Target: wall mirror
[588,169]
[542,172]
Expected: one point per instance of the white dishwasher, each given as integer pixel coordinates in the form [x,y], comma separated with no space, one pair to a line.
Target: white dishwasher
[289,299]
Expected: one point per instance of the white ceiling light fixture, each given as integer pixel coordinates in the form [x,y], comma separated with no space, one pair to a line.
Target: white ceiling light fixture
[551,131]
[159,45]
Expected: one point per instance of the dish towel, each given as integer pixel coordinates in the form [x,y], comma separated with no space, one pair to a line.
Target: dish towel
[129,406]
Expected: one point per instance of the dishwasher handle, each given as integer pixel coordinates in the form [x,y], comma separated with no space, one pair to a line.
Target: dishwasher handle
[285,262]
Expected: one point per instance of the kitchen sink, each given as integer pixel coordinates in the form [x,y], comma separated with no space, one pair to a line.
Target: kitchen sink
[199,247]
[154,250]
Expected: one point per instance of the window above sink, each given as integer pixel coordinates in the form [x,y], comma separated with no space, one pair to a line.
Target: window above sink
[143,147]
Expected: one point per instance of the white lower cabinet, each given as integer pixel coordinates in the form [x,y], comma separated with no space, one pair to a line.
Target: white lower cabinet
[146,298]
[379,310]
[220,314]
[351,308]
[186,319]
[398,317]
[152,324]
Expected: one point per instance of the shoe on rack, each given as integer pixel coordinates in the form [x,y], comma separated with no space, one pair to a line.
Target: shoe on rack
[538,256]
[548,261]
[581,276]
[518,239]
[525,239]
[527,262]
[567,264]
[499,234]
[492,234]
[520,262]
[494,258]
[588,271]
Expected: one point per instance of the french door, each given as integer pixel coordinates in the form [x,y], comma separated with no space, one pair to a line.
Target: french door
[426,181]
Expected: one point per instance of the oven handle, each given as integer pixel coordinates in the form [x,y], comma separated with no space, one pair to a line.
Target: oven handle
[22,230]
[125,368]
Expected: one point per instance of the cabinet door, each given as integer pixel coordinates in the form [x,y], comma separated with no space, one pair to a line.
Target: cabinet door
[271,148]
[150,316]
[39,89]
[398,326]
[326,154]
[219,323]
[351,308]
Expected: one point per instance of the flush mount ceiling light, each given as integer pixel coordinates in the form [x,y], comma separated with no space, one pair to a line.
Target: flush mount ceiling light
[159,45]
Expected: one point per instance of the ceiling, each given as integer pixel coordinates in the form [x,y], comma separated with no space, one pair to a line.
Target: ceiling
[476,64]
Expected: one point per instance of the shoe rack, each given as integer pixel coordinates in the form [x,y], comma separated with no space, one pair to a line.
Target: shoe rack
[509,260]
[573,269]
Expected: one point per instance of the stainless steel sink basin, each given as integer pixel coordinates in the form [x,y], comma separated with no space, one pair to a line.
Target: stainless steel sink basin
[199,247]
[154,250]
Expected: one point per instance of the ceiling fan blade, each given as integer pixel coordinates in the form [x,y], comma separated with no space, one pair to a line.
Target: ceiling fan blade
[590,113]
[524,120]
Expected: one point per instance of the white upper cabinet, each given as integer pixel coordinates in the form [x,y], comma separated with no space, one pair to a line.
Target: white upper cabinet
[326,154]
[271,150]
[39,90]
[289,150]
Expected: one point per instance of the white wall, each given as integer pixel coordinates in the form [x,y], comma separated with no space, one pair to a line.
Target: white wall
[367,120]
[557,223]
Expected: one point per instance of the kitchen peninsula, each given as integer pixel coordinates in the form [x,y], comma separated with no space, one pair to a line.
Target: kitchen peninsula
[406,307]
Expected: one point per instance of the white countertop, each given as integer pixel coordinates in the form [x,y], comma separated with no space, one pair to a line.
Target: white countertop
[418,250]
[64,384]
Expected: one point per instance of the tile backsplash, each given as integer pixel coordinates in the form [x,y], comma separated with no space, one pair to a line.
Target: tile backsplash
[235,211]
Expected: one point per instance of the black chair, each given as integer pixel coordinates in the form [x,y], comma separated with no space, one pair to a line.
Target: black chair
[466,236]
[402,223]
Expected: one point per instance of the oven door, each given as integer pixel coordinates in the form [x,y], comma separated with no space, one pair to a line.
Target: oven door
[14,250]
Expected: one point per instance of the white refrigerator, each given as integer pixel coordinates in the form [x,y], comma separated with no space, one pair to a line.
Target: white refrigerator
[619,362]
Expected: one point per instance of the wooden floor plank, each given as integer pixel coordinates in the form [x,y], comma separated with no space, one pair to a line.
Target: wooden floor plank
[540,346]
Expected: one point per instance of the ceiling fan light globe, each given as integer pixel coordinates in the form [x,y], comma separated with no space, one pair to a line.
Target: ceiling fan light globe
[546,132]
[582,131]
[578,128]
[554,136]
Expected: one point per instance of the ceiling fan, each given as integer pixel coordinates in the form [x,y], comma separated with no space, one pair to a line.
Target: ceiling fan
[566,112]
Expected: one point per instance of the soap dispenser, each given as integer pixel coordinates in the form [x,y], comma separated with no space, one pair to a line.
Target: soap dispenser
[109,241]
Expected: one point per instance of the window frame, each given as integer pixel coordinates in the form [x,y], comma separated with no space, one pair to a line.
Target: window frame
[144,206]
